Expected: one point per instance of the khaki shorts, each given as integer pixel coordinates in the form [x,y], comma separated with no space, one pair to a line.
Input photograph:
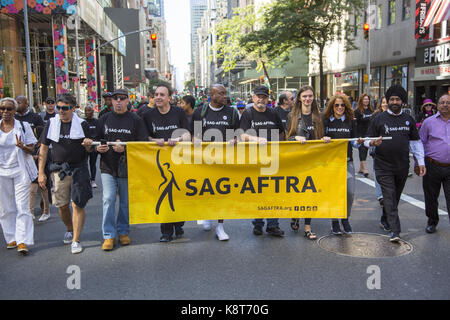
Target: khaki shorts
[61,190]
[76,188]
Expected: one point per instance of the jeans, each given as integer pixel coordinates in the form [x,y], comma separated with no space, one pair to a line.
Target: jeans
[112,186]
[377,186]
[271,223]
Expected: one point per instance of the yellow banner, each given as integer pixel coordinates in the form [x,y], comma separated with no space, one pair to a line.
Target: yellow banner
[245,181]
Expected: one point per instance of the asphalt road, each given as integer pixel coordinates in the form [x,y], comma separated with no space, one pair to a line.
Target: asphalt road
[244,268]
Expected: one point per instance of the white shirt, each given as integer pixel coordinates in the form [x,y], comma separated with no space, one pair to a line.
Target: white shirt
[9,159]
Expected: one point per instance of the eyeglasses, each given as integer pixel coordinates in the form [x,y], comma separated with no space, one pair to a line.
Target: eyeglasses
[63,108]
[337,105]
[9,109]
[120,97]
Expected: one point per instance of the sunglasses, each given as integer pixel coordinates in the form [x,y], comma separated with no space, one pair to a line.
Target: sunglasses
[7,109]
[63,108]
[337,105]
[50,102]
[120,97]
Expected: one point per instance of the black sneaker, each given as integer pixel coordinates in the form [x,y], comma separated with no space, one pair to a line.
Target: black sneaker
[381,201]
[277,232]
[179,232]
[431,228]
[395,237]
[258,231]
[384,225]
[347,227]
[165,238]
[335,228]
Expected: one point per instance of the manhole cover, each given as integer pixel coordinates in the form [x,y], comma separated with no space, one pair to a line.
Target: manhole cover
[365,245]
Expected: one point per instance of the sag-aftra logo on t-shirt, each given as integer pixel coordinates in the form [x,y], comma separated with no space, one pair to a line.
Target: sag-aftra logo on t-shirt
[388,130]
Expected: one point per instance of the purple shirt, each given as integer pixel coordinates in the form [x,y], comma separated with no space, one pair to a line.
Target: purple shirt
[435,136]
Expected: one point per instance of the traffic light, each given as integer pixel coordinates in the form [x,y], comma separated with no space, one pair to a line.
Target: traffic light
[153,37]
[366,29]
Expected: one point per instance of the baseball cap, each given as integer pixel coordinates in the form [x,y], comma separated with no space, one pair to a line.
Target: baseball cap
[261,90]
[50,100]
[120,91]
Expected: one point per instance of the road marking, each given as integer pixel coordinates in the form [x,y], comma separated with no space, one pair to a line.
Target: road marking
[405,197]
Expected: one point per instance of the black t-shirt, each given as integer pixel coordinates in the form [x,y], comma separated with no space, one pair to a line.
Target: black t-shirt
[48,116]
[32,118]
[307,119]
[363,120]
[262,122]
[283,115]
[66,149]
[225,118]
[124,127]
[338,129]
[161,126]
[92,127]
[393,155]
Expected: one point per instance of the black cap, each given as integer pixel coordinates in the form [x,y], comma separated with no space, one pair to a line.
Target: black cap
[121,91]
[261,90]
[397,90]
[50,99]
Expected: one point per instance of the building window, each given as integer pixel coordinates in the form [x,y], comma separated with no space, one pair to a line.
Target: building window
[380,16]
[397,75]
[391,13]
[406,9]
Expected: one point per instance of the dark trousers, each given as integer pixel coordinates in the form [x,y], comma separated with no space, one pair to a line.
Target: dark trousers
[169,228]
[93,164]
[363,153]
[392,184]
[436,177]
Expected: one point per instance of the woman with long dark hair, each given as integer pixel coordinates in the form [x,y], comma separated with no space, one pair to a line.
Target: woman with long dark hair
[339,124]
[305,123]
[363,114]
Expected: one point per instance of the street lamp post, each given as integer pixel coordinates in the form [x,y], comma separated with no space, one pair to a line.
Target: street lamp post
[368,48]
[28,54]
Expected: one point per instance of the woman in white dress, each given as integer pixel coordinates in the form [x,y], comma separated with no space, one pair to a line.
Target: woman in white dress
[17,171]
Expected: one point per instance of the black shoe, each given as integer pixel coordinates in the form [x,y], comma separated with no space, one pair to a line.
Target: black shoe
[258,231]
[384,225]
[335,228]
[431,228]
[277,232]
[381,201]
[165,238]
[395,237]
[347,227]
[179,232]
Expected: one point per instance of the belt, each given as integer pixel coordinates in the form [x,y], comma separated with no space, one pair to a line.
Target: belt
[437,162]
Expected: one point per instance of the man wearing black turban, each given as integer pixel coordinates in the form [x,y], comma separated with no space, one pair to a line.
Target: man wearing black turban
[392,156]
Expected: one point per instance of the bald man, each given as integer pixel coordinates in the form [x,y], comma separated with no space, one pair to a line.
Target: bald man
[24,114]
[215,115]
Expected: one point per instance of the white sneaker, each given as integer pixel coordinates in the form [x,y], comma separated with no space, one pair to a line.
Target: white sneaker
[76,247]
[206,225]
[68,236]
[221,234]
[44,217]
[93,184]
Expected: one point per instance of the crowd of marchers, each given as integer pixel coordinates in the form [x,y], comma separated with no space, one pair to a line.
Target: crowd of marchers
[53,153]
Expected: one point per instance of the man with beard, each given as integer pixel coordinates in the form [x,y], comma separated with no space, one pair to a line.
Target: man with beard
[391,160]
[267,126]
[107,97]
